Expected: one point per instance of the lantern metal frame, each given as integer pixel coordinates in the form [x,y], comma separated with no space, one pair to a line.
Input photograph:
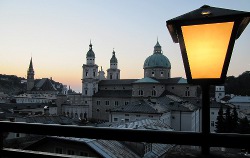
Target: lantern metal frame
[211,15]
[201,16]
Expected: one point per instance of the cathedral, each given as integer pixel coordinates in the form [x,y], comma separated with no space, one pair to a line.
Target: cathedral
[103,93]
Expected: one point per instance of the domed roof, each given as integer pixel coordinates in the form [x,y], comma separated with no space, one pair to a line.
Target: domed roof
[113,59]
[157,59]
[90,53]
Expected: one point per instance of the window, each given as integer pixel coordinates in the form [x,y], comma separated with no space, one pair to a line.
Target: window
[106,102]
[153,92]
[153,73]
[115,119]
[212,123]
[58,150]
[126,103]
[150,116]
[140,92]
[126,120]
[98,102]
[161,73]
[116,103]
[71,152]
[172,87]
[147,148]
[187,93]
[94,74]
[110,76]
[86,92]
[126,114]
[86,74]
[86,102]
[138,115]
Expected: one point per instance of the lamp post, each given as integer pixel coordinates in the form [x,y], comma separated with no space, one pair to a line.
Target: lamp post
[206,37]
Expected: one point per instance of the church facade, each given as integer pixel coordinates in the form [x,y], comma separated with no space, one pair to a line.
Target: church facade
[104,93]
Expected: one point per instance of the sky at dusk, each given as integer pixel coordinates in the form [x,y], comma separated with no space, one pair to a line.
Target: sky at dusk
[57,33]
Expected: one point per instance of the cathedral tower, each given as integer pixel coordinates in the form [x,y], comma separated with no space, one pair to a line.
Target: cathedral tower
[113,71]
[30,76]
[90,74]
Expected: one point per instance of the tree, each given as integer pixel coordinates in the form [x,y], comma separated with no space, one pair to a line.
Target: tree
[235,120]
[228,121]
[244,126]
[220,123]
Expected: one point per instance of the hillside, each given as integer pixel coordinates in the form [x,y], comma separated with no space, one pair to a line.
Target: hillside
[11,84]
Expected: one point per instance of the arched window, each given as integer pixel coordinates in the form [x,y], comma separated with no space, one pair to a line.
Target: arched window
[140,92]
[153,93]
[153,74]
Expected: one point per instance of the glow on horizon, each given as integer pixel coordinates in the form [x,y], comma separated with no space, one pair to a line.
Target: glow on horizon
[57,34]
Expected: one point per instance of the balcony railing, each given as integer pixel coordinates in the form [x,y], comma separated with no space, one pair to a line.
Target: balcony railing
[134,135]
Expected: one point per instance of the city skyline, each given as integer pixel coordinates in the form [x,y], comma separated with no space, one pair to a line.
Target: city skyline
[56,34]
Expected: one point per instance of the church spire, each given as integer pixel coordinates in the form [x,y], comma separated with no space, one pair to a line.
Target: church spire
[30,76]
[31,65]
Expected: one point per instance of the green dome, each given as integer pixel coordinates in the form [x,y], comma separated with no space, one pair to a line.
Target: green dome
[90,53]
[157,60]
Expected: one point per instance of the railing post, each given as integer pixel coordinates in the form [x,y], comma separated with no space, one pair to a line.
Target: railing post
[205,149]
[1,143]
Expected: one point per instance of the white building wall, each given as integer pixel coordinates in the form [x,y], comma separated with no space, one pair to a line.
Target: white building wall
[53,110]
[126,117]
[196,121]
[181,121]
[75,111]
[166,118]
[219,93]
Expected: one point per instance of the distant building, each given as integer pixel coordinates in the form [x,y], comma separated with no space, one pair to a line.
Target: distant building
[241,102]
[35,98]
[219,93]
[44,85]
[4,98]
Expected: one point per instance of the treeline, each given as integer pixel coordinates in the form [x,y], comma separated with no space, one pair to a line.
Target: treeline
[229,122]
[238,85]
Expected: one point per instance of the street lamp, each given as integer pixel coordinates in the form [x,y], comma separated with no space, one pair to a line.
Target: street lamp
[206,37]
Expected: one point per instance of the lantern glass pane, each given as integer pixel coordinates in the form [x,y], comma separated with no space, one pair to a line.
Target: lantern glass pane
[206,47]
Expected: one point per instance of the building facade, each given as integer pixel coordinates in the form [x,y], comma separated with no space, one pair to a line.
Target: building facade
[104,93]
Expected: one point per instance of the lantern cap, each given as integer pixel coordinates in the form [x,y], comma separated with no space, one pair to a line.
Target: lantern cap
[207,14]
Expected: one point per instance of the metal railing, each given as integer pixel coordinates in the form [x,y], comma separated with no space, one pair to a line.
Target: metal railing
[231,140]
